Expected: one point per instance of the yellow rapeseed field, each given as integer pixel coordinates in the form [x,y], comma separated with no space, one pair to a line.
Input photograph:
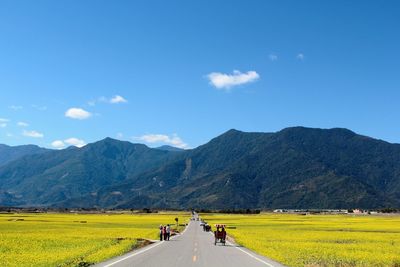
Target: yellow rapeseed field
[74,239]
[318,240]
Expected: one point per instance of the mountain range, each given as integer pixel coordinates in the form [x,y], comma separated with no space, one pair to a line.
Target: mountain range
[10,153]
[296,167]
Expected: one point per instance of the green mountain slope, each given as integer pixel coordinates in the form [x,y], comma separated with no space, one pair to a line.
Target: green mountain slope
[293,168]
[60,175]
[10,153]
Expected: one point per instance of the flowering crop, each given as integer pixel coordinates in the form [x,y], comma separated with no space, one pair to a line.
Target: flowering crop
[74,239]
[317,240]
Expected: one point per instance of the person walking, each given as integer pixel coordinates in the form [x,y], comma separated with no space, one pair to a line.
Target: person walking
[165,233]
[168,231]
[161,232]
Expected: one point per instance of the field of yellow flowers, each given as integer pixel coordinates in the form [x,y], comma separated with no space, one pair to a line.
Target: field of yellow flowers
[74,239]
[317,240]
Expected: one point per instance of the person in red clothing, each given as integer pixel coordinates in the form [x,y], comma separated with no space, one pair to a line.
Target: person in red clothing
[165,233]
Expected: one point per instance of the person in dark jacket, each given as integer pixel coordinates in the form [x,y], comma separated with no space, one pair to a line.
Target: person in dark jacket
[161,232]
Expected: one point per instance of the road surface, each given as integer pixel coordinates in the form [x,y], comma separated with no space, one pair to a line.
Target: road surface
[193,247]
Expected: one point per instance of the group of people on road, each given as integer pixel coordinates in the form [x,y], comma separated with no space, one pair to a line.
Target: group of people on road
[165,232]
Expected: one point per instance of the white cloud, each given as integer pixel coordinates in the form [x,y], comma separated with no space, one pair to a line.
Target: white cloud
[33,134]
[173,140]
[300,56]
[226,81]
[3,122]
[92,103]
[75,142]
[273,57]
[117,99]
[60,144]
[77,113]
[22,124]
[13,107]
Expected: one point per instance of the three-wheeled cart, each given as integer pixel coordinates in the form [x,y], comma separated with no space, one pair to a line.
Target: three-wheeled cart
[220,234]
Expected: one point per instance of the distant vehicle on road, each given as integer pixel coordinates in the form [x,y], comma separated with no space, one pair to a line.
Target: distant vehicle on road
[220,234]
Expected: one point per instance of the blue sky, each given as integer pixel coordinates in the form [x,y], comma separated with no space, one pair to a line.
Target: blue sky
[183,72]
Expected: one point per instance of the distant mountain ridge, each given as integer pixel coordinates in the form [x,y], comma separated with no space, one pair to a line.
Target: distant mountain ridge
[170,148]
[296,167]
[41,179]
[10,153]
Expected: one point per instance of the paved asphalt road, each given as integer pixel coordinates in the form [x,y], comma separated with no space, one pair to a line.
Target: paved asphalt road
[193,247]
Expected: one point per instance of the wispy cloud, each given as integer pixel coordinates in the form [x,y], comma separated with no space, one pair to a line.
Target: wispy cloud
[273,57]
[300,56]
[103,99]
[60,144]
[22,124]
[116,99]
[173,140]
[3,122]
[14,107]
[119,135]
[78,114]
[40,108]
[227,81]
[92,103]
[33,134]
